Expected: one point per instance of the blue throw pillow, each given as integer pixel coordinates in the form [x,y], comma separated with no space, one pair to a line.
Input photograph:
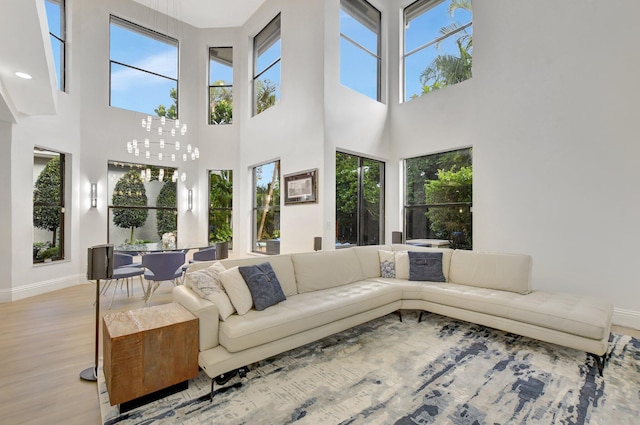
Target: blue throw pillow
[426,266]
[263,284]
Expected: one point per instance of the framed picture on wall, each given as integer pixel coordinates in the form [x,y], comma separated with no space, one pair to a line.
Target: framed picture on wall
[300,188]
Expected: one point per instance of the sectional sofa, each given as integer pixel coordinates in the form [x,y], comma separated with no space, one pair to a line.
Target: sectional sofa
[329,291]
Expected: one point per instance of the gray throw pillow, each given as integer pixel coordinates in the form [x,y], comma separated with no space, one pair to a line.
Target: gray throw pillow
[426,266]
[263,284]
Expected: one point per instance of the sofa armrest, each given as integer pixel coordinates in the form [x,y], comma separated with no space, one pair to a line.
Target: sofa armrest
[205,311]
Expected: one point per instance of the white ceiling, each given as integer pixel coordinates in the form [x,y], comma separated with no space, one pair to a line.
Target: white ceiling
[207,13]
[26,21]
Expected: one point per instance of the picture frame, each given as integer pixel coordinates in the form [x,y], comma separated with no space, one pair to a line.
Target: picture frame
[301,187]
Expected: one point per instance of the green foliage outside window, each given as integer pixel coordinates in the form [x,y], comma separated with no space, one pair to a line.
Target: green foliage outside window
[265,95]
[220,204]
[172,111]
[166,219]
[221,104]
[130,191]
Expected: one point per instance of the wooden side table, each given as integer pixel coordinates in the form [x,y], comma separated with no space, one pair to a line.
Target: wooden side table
[149,353]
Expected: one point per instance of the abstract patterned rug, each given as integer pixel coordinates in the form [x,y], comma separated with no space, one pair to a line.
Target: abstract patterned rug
[439,371]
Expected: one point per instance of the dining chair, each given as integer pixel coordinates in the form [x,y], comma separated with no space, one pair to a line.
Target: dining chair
[203,254]
[161,266]
[123,270]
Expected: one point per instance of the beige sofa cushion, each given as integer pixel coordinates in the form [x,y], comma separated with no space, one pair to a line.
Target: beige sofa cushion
[506,272]
[281,264]
[369,259]
[304,312]
[237,289]
[326,269]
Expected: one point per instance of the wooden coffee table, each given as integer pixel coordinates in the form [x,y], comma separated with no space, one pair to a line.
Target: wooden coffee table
[149,353]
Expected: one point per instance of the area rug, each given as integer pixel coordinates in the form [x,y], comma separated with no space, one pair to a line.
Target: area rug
[439,371]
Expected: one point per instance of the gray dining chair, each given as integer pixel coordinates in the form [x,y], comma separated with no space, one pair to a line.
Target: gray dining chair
[160,267]
[123,270]
[203,254]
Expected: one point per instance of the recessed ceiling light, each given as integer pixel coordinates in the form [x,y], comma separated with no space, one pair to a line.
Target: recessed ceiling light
[24,75]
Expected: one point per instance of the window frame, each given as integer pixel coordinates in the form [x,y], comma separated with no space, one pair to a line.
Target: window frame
[352,10]
[360,203]
[62,37]
[146,32]
[212,208]
[170,173]
[258,209]
[414,10]
[59,205]
[226,86]
[424,206]
[272,33]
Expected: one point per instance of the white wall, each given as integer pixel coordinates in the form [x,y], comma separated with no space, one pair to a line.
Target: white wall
[551,113]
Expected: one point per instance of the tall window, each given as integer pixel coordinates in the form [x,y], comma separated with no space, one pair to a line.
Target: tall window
[266,208]
[360,47]
[48,205]
[220,85]
[220,206]
[142,204]
[144,70]
[266,66]
[439,197]
[359,200]
[438,45]
[56,20]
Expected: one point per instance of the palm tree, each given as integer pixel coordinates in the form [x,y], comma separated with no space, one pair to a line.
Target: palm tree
[446,70]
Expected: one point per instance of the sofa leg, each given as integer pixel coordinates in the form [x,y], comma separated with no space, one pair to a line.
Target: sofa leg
[420,317]
[600,362]
[226,377]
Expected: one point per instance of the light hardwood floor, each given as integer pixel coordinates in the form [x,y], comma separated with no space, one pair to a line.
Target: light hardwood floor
[47,340]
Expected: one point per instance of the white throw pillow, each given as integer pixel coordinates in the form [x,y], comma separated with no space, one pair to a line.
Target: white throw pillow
[237,290]
[207,284]
[402,264]
[387,263]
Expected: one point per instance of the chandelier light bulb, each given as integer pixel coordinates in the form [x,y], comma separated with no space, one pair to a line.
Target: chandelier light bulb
[129,147]
[147,154]
[146,143]
[184,156]
[144,123]
[161,174]
[160,156]
[196,152]
[193,156]
[183,177]
[183,130]
[148,174]
[136,152]
[135,144]
[177,145]
[161,143]
[189,147]
[177,123]
[173,157]
[163,120]
[173,132]
[159,131]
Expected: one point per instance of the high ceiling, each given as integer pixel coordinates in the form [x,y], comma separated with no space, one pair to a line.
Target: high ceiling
[25,20]
[207,13]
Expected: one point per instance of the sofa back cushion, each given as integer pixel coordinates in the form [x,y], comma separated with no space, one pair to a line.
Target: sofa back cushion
[369,259]
[505,272]
[281,264]
[402,261]
[326,269]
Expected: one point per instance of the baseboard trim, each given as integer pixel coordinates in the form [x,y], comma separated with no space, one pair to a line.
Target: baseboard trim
[626,318]
[38,288]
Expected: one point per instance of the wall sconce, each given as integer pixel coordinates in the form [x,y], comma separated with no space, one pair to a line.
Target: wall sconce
[190,200]
[94,195]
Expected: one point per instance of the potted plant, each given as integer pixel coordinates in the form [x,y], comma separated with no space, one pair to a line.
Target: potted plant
[48,254]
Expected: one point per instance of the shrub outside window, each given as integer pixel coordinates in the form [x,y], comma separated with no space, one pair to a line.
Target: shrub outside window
[360,59]
[57,33]
[266,208]
[220,85]
[438,45]
[143,70]
[142,204]
[439,197]
[48,205]
[220,206]
[266,66]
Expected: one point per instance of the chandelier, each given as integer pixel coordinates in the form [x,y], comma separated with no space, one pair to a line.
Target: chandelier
[166,146]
